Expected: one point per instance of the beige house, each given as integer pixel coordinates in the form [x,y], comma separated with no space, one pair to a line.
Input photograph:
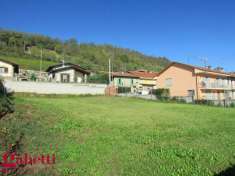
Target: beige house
[147,79]
[141,81]
[67,73]
[8,69]
[202,83]
[124,79]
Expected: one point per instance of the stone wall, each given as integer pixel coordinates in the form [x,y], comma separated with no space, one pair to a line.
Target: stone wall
[32,75]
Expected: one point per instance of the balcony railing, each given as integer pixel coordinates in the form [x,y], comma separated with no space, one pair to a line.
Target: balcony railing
[205,85]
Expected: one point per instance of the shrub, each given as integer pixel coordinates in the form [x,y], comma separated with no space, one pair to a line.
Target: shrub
[174,99]
[162,94]
[33,77]
[232,105]
[205,102]
[6,105]
[98,78]
[124,89]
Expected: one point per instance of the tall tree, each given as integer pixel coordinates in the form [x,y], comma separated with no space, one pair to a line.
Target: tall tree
[71,46]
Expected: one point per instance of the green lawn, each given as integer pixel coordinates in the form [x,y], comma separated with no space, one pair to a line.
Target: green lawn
[29,64]
[115,136]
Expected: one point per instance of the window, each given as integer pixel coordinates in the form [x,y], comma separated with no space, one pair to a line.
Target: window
[191,93]
[119,81]
[65,78]
[132,81]
[3,70]
[168,82]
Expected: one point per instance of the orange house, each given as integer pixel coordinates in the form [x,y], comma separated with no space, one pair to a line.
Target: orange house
[202,83]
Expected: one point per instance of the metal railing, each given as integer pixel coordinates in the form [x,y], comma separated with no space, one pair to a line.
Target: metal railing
[216,86]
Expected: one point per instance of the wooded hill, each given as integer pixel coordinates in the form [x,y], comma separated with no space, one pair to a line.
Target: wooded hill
[18,45]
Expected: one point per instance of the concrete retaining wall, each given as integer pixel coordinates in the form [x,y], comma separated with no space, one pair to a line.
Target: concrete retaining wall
[55,88]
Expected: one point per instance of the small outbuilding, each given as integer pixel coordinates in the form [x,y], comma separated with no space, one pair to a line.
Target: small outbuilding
[68,73]
[8,69]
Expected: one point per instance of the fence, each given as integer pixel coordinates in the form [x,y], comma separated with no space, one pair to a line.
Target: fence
[186,99]
[136,95]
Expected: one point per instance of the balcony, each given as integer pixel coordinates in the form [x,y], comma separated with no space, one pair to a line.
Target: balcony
[216,86]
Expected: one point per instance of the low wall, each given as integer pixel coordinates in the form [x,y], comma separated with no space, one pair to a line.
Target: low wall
[54,88]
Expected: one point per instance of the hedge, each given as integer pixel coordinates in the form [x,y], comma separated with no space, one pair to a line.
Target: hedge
[162,94]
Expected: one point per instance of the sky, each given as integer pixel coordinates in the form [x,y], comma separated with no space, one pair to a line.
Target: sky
[188,31]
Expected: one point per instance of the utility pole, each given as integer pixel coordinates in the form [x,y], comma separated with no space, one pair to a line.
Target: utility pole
[109,71]
[204,60]
[24,46]
[41,65]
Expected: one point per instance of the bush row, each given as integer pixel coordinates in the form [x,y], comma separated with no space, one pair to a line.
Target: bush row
[124,89]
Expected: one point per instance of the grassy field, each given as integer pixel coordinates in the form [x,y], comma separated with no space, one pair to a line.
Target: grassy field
[105,136]
[29,64]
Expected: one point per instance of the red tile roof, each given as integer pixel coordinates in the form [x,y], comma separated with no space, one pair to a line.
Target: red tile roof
[144,74]
[123,74]
[232,74]
[196,67]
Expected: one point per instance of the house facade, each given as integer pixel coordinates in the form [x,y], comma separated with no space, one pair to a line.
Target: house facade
[147,80]
[140,81]
[124,79]
[201,83]
[8,70]
[67,73]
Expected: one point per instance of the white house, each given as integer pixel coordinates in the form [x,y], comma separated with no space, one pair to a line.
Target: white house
[8,69]
[67,73]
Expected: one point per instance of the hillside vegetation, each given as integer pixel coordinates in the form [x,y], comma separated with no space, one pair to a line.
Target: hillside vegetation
[26,49]
[28,63]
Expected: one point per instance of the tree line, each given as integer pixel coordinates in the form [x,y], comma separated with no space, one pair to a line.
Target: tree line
[89,55]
